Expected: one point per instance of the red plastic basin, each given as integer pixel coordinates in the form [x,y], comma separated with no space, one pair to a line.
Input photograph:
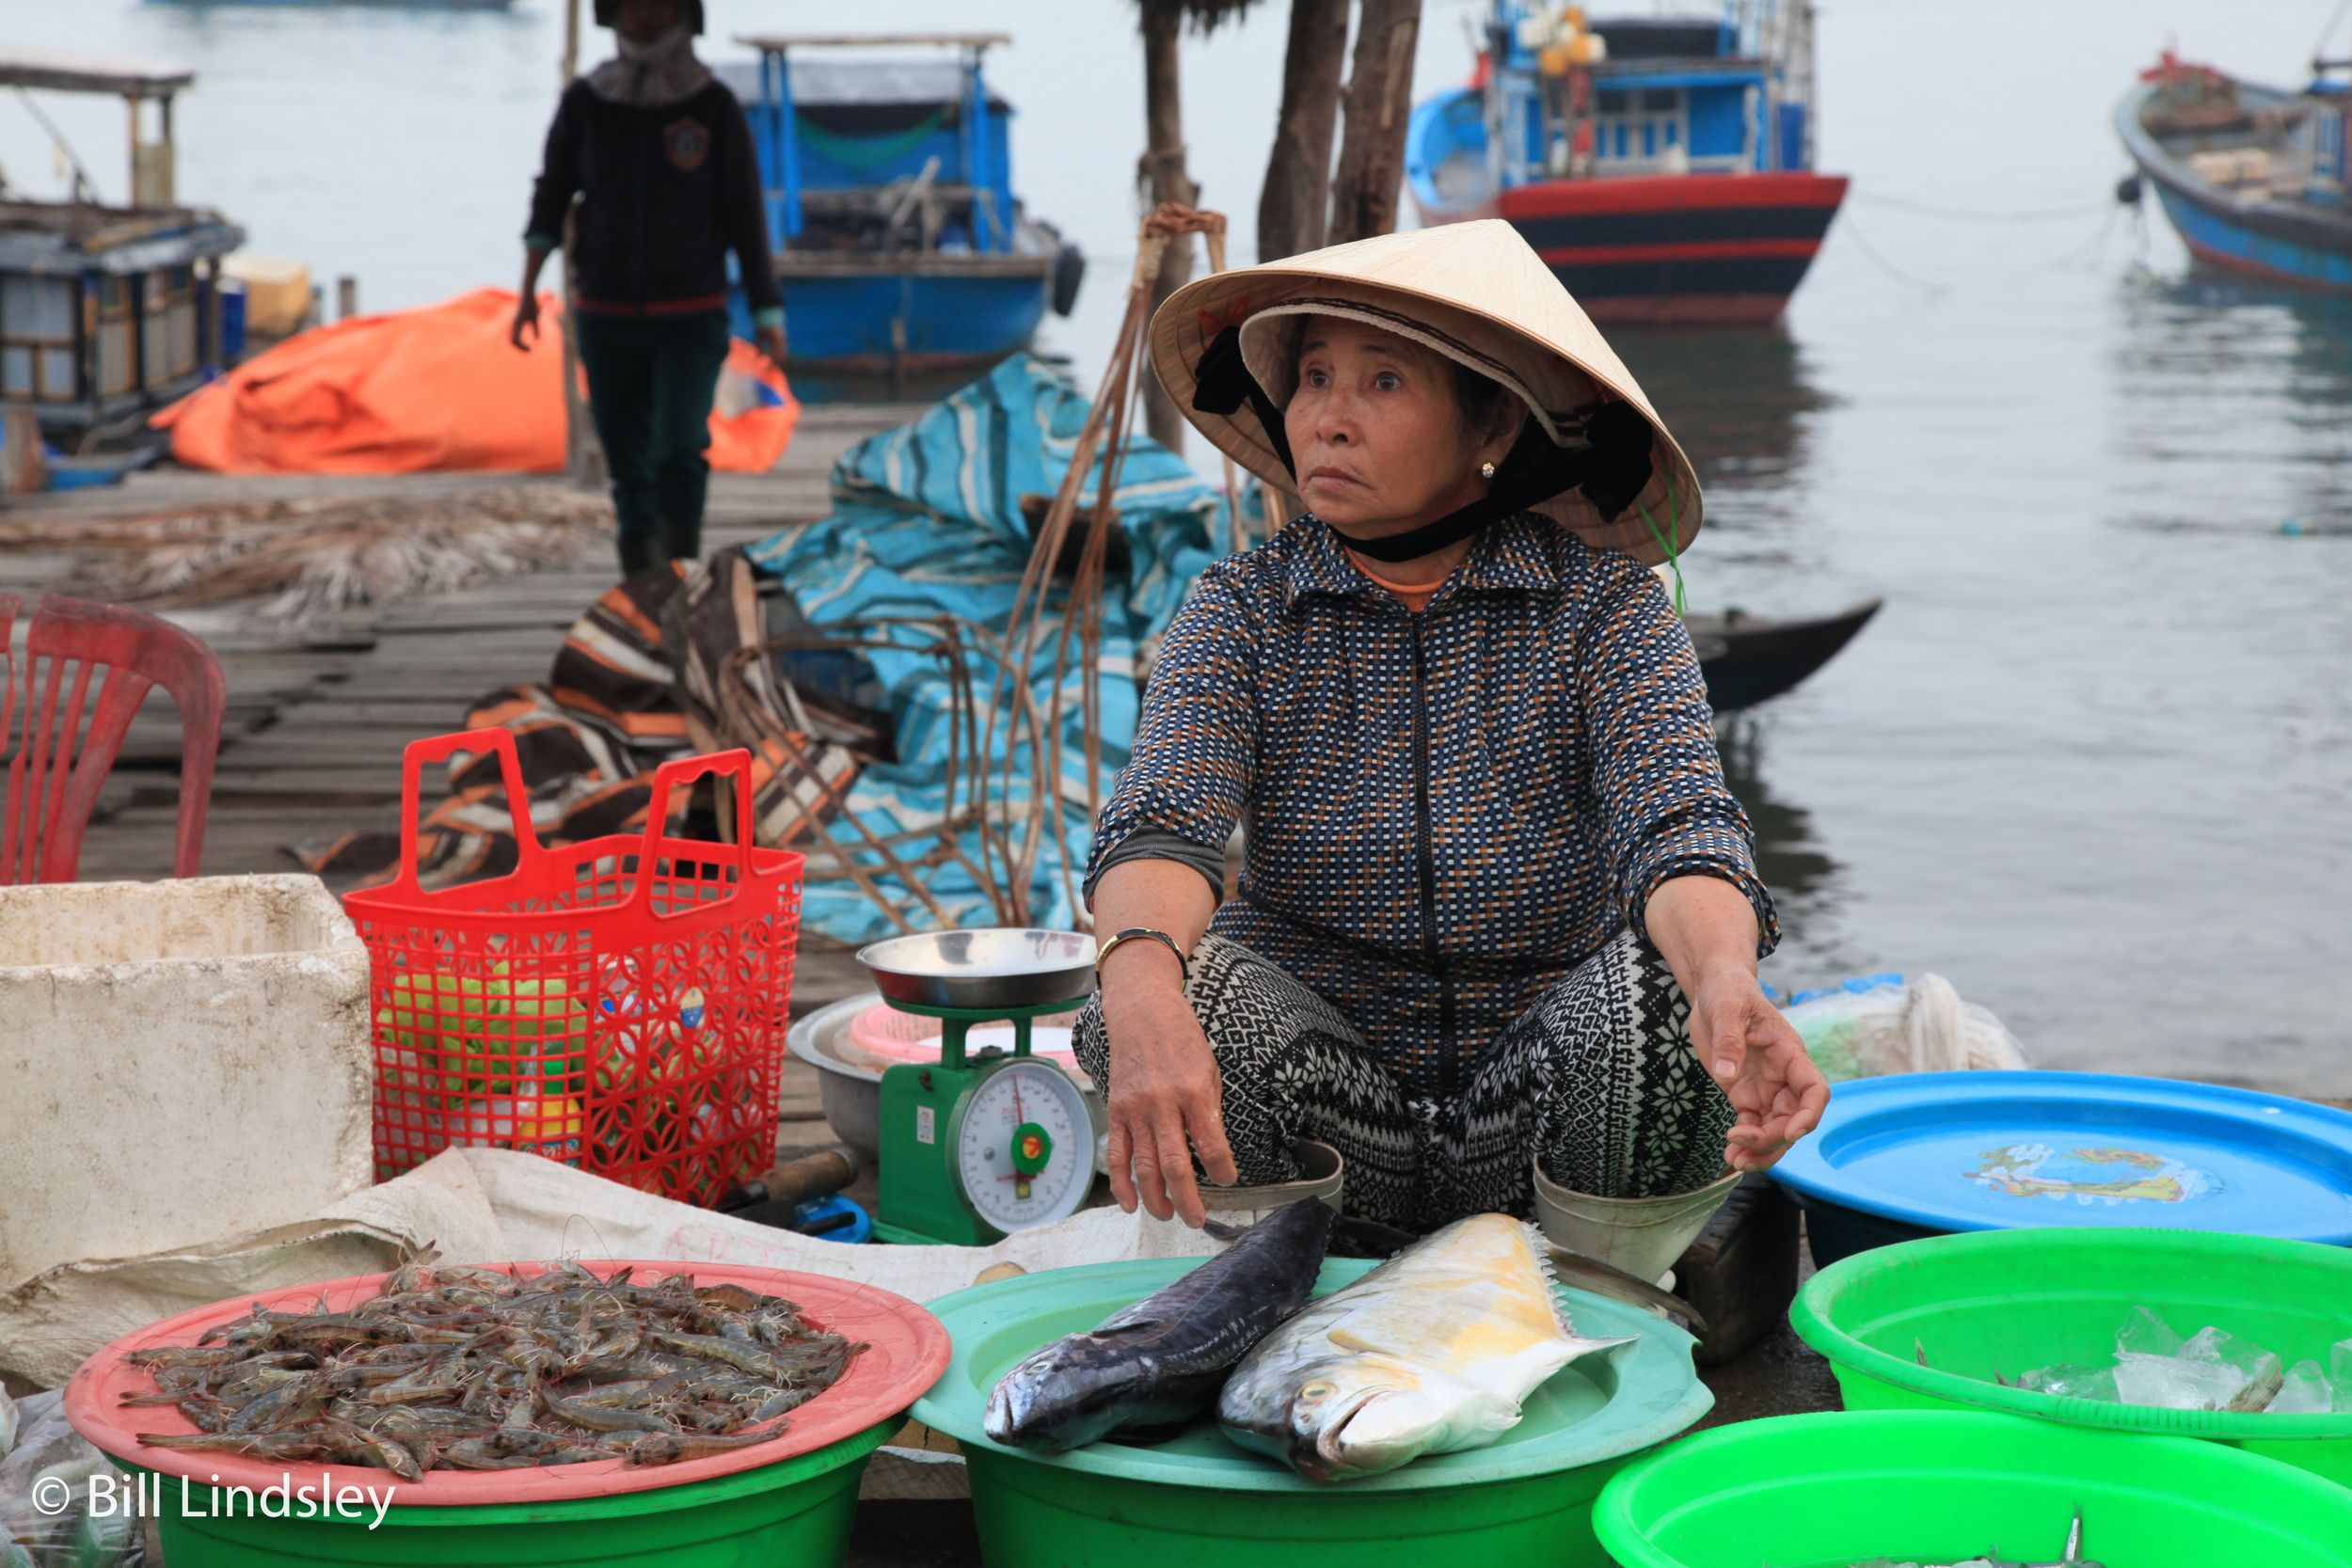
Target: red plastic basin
[907,1349]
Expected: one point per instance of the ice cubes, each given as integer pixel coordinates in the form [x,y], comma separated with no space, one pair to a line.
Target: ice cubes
[2211,1370]
[2303,1391]
[2145,1334]
[2072,1382]
[2171,1382]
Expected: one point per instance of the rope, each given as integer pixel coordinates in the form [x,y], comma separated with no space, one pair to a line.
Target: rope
[1931,290]
[2319,45]
[1667,541]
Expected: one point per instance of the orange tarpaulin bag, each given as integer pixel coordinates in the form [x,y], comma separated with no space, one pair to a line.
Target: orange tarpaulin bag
[438,388]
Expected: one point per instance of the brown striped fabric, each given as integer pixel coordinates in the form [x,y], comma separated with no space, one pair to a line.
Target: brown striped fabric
[646,675]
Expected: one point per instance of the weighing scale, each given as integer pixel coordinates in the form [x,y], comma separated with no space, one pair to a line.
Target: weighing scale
[976,1147]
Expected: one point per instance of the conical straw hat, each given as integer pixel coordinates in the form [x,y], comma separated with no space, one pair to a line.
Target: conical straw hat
[1474,292]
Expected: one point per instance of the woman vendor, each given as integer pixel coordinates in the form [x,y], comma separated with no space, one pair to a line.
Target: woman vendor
[1498,910]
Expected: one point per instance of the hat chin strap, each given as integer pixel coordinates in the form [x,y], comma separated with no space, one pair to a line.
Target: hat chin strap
[1612,470]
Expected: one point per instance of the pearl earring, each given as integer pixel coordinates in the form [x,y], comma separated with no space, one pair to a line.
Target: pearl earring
[1486,470]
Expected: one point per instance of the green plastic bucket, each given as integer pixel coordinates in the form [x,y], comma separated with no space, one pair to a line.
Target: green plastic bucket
[796,1512]
[2016,1300]
[1940,1486]
[1526,1502]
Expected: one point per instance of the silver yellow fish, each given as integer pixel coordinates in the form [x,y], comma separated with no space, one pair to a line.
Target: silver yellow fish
[1430,1352]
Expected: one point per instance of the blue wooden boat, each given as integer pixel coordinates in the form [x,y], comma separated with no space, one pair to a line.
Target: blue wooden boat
[908,264]
[1661,164]
[106,312]
[2252,177]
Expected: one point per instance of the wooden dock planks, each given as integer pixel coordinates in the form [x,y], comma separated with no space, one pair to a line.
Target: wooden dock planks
[317,719]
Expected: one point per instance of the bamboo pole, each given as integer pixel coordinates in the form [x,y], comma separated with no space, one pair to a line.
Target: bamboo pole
[583,454]
[1109,420]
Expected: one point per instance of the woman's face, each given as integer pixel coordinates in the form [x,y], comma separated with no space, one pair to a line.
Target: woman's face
[644,20]
[1376,432]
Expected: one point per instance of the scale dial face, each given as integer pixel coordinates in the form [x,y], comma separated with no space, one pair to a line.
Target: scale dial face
[1025,1146]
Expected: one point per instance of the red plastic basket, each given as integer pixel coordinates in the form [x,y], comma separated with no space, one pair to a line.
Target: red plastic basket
[619,1004]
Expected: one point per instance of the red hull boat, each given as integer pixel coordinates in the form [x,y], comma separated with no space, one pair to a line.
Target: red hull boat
[1663,165]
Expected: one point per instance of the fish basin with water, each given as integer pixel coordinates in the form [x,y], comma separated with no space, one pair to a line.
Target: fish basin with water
[1524,1501]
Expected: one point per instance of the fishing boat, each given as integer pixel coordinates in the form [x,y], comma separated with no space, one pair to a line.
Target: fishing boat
[2252,177]
[1747,660]
[108,312]
[1661,164]
[908,264]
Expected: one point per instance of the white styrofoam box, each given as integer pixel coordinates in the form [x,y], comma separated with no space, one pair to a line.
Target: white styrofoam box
[180,1061]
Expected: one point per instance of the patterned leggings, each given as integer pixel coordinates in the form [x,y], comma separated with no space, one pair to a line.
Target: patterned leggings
[1597,1081]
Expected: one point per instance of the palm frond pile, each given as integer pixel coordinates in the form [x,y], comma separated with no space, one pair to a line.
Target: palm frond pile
[303,561]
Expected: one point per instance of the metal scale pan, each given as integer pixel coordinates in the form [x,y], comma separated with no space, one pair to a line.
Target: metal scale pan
[983,969]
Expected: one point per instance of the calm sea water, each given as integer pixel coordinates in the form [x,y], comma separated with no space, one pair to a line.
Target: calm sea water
[2093,763]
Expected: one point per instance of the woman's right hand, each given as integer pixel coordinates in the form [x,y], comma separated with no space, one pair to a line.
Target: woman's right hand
[1166,1097]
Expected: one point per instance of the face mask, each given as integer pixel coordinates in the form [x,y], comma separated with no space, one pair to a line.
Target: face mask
[648,75]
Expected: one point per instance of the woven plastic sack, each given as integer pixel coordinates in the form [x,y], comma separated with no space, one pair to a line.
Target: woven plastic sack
[1885,1024]
[617,1005]
[61,1501]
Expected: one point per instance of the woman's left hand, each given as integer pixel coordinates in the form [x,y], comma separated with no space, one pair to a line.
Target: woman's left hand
[1749,1048]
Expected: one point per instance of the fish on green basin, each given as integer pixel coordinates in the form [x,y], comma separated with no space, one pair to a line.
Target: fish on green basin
[1160,1362]
[1430,1352]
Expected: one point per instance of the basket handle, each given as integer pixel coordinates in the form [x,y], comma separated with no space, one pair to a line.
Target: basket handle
[681,771]
[438,749]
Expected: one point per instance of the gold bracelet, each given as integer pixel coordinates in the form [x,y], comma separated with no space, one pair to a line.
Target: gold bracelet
[1130,934]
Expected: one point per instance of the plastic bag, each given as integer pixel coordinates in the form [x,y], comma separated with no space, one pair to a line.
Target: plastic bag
[51,1461]
[1883,1023]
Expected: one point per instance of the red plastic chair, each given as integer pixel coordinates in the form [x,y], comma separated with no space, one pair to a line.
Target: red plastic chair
[51,782]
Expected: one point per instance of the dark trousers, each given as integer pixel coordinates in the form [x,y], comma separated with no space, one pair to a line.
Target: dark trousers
[650,383]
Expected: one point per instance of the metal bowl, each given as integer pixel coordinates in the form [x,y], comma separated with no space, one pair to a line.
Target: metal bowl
[992,968]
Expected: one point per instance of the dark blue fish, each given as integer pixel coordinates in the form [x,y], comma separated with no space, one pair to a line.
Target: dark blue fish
[1161,1362]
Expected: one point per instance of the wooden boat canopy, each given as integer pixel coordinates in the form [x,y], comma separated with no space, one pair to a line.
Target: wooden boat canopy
[61,73]
[780,41]
[108,312]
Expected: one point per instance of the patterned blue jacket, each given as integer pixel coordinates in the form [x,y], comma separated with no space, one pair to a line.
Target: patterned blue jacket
[1446,812]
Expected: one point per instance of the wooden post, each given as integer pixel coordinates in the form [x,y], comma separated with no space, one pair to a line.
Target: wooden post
[1292,207]
[1162,173]
[1379,103]
[583,454]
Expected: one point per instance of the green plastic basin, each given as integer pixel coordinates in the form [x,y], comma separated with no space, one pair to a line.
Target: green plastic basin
[1526,1502]
[1940,1486]
[2015,1299]
[796,1512]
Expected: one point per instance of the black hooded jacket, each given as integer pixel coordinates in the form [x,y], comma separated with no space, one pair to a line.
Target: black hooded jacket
[664,193]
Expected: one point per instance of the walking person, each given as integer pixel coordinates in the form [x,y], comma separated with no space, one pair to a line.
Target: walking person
[659,154]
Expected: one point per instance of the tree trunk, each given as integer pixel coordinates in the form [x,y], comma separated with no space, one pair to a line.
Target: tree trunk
[1162,173]
[1379,102]
[1291,209]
